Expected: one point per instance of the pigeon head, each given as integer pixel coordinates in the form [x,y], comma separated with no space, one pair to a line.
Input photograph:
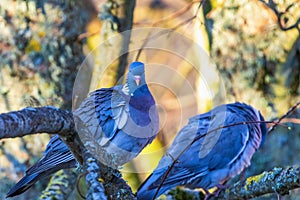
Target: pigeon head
[136,76]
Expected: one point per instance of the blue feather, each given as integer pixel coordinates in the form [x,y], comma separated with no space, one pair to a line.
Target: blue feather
[107,114]
[212,159]
[57,156]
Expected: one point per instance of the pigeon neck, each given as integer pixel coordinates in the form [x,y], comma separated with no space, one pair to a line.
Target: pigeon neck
[140,103]
[141,98]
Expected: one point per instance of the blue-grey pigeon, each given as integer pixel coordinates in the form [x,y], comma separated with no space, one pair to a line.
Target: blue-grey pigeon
[122,120]
[196,160]
[127,116]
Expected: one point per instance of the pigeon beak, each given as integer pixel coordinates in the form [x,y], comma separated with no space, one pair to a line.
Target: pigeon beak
[137,80]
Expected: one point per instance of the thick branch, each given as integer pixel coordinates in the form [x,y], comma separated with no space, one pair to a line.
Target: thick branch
[41,120]
[278,180]
[36,120]
[100,175]
[102,178]
[54,120]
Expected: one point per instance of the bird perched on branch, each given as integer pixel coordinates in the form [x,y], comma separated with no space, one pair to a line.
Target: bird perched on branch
[212,148]
[120,120]
[116,123]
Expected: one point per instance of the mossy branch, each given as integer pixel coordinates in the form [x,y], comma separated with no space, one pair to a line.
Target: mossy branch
[101,178]
[60,186]
[94,185]
[36,120]
[54,120]
[278,180]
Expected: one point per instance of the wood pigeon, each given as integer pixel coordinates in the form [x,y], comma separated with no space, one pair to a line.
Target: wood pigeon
[116,123]
[121,120]
[204,162]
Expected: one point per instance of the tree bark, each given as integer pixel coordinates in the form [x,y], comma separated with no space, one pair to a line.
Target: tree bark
[278,180]
[110,58]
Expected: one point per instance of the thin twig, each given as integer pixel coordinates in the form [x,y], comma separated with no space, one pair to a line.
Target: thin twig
[291,110]
[190,19]
[279,15]
[168,31]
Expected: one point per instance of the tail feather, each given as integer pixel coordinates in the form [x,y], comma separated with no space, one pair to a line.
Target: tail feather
[148,189]
[57,156]
[24,184]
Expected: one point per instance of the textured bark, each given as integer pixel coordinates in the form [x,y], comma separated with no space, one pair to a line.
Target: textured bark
[99,175]
[110,58]
[278,180]
[36,120]
[53,120]
[59,185]
[95,187]
[41,120]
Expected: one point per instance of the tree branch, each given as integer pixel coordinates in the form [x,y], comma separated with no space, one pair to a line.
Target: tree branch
[54,120]
[278,180]
[36,120]
[102,178]
[272,5]
[60,186]
[41,120]
[290,111]
[93,180]
[99,173]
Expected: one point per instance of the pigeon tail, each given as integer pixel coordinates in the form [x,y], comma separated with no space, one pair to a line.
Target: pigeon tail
[57,156]
[148,191]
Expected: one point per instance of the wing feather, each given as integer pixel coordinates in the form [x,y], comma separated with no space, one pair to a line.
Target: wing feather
[220,155]
[104,112]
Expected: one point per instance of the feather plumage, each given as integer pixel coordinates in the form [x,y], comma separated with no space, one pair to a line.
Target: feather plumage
[56,156]
[212,159]
[122,120]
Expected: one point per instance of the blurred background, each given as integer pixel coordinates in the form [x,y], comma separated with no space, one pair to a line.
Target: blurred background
[226,51]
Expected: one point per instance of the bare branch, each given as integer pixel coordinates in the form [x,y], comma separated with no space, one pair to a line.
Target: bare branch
[36,120]
[291,110]
[41,120]
[54,120]
[98,174]
[173,28]
[272,5]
